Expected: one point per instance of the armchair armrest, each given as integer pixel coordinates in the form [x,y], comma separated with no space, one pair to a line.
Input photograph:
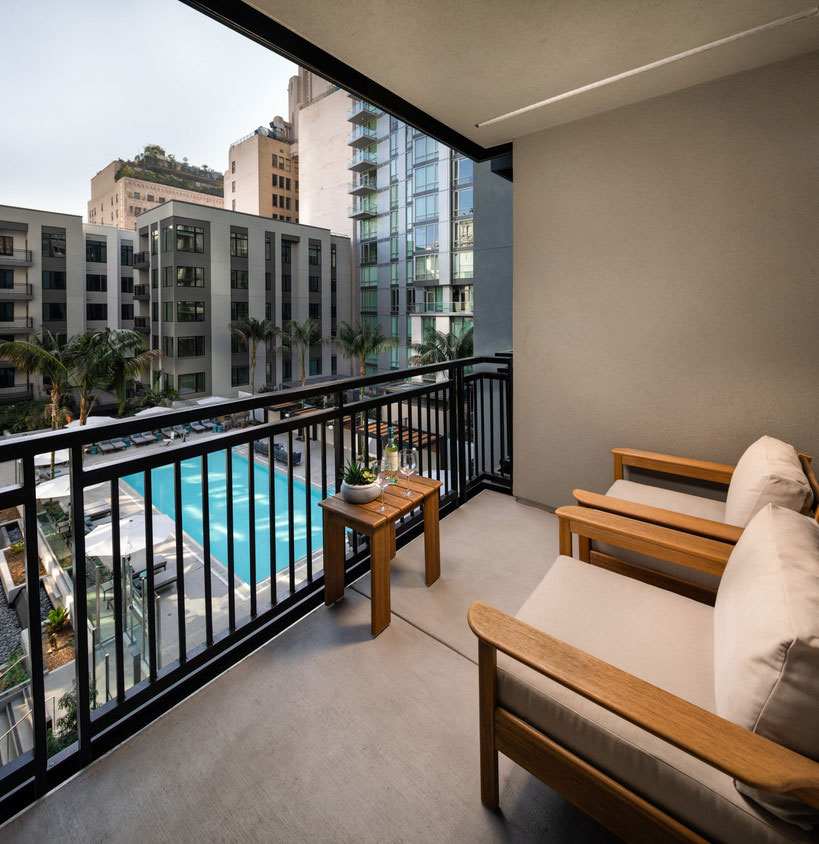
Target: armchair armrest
[684,549]
[703,470]
[666,518]
[735,751]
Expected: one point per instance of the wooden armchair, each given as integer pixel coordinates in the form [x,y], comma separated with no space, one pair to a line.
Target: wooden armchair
[637,800]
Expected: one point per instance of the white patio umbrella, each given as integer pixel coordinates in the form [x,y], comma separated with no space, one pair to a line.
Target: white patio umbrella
[91,422]
[212,400]
[152,411]
[59,487]
[44,459]
[100,542]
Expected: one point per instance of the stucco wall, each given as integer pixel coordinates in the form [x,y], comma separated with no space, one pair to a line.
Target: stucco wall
[666,293]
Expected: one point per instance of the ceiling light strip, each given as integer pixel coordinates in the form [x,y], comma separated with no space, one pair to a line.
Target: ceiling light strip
[765,27]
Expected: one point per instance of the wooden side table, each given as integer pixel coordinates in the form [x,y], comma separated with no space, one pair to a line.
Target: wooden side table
[339,514]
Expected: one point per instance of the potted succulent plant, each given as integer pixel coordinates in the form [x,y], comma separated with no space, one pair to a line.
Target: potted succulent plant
[359,484]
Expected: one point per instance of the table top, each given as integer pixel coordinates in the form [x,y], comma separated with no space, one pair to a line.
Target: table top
[368,517]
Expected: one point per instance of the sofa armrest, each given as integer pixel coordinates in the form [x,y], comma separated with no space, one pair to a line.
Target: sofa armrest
[684,549]
[703,470]
[665,518]
[735,751]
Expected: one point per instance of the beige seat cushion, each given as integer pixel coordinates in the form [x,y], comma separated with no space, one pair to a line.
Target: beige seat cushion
[766,640]
[666,640]
[769,472]
[665,499]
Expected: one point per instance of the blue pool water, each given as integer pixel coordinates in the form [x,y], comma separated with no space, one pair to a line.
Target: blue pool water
[163,499]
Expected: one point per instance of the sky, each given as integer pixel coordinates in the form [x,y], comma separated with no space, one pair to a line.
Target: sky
[94,81]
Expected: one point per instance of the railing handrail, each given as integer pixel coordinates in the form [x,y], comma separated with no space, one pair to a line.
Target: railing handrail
[26,714]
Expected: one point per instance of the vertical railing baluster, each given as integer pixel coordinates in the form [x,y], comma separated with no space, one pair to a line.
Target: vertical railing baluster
[231,551]
[324,460]
[308,492]
[338,438]
[379,445]
[460,436]
[180,563]
[429,434]
[251,527]
[154,640]
[206,550]
[483,425]
[491,427]
[502,422]
[290,514]
[119,648]
[509,416]
[438,435]
[271,481]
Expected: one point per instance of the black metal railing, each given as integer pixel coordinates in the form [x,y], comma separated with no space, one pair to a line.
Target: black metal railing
[142,259]
[15,256]
[244,545]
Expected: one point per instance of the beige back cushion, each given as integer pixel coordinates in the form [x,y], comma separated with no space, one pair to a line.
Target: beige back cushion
[769,472]
[766,641]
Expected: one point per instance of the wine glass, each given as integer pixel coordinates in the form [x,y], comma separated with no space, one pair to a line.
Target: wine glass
[385,476]
[408,461]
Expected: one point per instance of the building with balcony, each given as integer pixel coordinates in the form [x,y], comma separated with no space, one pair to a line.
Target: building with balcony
[123,190]
[200,270]
[63,275]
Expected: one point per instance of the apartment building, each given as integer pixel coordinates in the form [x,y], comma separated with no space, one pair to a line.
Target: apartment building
[61,274]
[124,190]
[200,268]
[263,173]
[415,242]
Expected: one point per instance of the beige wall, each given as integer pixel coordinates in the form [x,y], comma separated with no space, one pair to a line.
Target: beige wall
[249,178]
[666,296]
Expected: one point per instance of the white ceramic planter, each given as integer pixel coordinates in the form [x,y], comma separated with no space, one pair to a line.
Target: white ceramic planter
[360,494]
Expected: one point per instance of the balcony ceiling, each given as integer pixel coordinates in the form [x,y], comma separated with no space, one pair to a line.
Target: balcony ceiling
[466,62]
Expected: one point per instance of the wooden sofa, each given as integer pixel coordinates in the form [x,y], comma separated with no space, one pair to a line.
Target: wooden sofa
[605,687]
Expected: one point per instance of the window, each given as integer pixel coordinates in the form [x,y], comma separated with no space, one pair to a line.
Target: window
[393,196]
[393,222]
[369,300]
[154,242]
[462,264]
[462,298]
[126,254]
[433,299]
[268,310]
[187,311]
[287,370]
[369,276]
[394,273]
[54,244]
[53,279]
[268,281]
[393,170]
[426,238]
[150,197]
[6,373]
[368,229]
[190,347]
[238,279]
[233,187]
[315,283]
[426,178]
[238,310]
[268,249]
[96,311]
[314,310]
[167,346]
[232,166]
[287,251]
[462,234]
[425,149]
[369,253]
[96,283]
[462,171]
[426,267]
[167,276]
[394,297]
[274,199]
[238,244]
[190,276]
[314,254]
[126,285]
[96,251]
[7,279]
[460,324]
[462,202]
[287,186]
[167,312]
[333,256]
[393,248]
[190,239]
[315,366]
[426,207]
[154,279]
[333,364]
[167,380]
[127,311]
[393,144]
[286,282]
[239,375]
[7,311]
[286,312]
[155,314]
[192,382]
[6,245]
[167,238]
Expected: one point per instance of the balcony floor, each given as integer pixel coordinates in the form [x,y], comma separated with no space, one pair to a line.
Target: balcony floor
[325,734]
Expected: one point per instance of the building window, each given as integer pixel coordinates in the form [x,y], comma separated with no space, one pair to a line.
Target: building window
[96,283]
[393,222]
[6,279]
[127,311]
[462,264]
[463,171]
[462,234]
[426,267]
[286,312]
[126,254]
[167,276]
[287,251]
[232,204]
[126,285]
[426,238]
[274,199]
[6,245]
[190,347]
[268,249]
[238,279]
[426,207]
[393,170]
[268,281]
[369,300]
[462,298]
[167,312]
[238,310]
[54,279]
[368,229]
[368,253]
[426,178]
[394,273]
[394,298]
[314,283]
[54,244]
[286,283]
[167,380]
[238,244]
[96,311]
[425,149]
[154,279]
[6,373]
[167,238]
[393,144]
[155,314]
[96,251]
[369,276]
[190,276]
[314,254]
[232,166]
[268,310]
[154,242]
[187,311]
[52,311]
[462,202]
[192,382]
[233,187]
[315,366]
[393,248]
[314,310]
[190,239]
[287,369]
[239,376]
[167,347]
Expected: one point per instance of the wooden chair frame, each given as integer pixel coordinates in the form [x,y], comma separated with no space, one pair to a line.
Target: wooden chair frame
[737,752]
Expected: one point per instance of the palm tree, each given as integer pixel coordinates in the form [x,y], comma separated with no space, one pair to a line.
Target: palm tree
[302,335]
[362,341]
[438,347]
[252,332]
[123,358]
[155,396]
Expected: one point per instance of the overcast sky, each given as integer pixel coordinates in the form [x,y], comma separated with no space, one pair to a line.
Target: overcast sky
[90,81]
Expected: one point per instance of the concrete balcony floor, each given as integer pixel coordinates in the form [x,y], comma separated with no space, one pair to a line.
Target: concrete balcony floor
[325,734]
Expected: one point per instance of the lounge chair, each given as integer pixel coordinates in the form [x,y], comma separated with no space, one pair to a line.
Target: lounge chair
[165,580]
[139,439]
[119,444]
[655,713]
[280,454]
[180,430]
[198,427]
[106,447]
[207,423]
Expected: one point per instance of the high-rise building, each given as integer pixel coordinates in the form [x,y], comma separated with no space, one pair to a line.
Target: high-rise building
[202,268]
[63,275]
[263,173]
[124,190]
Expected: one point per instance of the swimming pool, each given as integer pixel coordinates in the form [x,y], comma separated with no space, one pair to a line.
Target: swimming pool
[191,473]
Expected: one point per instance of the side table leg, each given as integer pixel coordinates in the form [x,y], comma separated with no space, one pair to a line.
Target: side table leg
[333,558]
[392,540]
[380,578]
[432,538]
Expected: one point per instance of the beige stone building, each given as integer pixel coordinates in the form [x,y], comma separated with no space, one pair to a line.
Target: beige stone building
[124,190]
